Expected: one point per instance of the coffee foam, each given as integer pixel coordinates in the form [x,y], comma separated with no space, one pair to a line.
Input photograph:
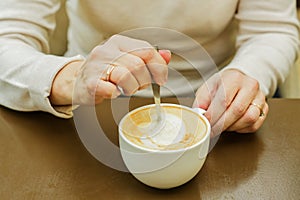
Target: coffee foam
[171,131]
[179,128]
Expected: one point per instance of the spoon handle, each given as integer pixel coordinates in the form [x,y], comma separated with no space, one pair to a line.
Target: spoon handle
[156,94]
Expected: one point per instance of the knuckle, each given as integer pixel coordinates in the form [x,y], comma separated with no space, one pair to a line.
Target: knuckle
[253,84]
[137,65]
[125,75]
[100,52]
[238,110]
[136,69]
[251,118]
[138,62]
[149,54]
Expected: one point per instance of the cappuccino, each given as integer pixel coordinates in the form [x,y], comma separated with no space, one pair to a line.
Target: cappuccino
[178,128]
[156,152]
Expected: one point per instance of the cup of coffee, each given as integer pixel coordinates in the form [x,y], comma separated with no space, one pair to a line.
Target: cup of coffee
[164,153]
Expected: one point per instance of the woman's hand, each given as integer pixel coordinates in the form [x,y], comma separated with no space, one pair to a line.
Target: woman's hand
[120,63]
[233,102]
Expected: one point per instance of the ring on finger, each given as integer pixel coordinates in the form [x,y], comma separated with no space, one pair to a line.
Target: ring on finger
[260,107]
[109,70]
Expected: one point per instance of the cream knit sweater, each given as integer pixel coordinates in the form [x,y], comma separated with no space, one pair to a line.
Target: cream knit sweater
[262,35]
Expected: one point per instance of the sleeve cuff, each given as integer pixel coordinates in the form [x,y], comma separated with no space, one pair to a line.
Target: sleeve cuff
[40,92]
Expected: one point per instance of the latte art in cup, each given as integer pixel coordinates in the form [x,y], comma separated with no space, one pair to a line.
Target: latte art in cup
[178,128]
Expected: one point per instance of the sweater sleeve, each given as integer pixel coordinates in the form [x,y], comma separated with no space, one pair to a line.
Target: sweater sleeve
[27,69]
[267,41]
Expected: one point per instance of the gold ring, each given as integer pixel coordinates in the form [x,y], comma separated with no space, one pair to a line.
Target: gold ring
[261,114]
[109,70]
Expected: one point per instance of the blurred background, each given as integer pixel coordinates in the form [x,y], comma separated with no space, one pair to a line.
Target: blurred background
[291,87]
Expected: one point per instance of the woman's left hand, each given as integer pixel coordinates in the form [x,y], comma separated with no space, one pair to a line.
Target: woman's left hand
[234,102]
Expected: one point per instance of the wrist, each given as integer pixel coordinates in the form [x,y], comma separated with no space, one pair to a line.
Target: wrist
[63,84]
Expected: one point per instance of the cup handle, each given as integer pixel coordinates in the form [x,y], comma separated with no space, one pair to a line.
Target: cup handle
[200,111]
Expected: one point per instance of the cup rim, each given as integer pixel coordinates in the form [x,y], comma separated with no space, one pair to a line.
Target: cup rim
[206,134]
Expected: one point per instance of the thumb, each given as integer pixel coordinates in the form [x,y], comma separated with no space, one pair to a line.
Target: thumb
[202,99]
[166,54]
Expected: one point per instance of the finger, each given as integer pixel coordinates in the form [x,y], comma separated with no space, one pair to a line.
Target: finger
[221,101]
[254,127]
[106,90]
[123,78]
[137,68]
[217,128]
[254,121]
[239,105]
[251,116]
[154,61]
[94,92]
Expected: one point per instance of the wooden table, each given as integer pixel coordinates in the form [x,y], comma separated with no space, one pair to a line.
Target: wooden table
[42,157]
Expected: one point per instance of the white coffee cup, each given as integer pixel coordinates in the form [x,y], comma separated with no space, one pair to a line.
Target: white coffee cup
[169,156]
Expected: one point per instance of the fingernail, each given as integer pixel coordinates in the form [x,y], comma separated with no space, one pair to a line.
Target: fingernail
[164,51]
[166,54]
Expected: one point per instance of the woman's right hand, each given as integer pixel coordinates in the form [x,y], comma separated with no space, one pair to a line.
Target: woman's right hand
[134,63]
